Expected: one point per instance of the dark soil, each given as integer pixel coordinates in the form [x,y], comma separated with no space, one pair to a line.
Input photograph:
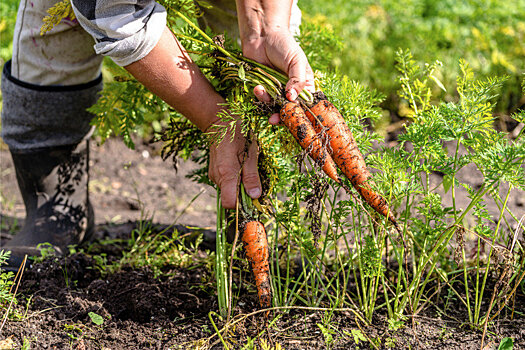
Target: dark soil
[141,311]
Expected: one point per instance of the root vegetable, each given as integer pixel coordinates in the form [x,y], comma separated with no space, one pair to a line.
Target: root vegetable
[343,148]
[256,246]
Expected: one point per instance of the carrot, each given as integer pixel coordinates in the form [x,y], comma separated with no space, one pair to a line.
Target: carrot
[256,246]
[343,148]
[294,117]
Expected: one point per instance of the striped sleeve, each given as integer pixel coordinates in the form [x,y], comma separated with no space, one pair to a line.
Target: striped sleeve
[125,30]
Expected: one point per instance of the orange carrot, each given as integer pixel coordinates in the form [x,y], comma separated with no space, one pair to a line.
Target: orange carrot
[256,246]
[344,151]
[293,116]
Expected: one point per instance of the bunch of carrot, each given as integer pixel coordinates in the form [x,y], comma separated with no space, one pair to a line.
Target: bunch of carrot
[320,130]
[323,133]
[320,124]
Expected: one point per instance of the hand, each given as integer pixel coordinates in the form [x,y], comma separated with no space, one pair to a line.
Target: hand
[278,49]
[226,160]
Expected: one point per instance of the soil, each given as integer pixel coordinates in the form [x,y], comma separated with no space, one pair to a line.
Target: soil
[140,311]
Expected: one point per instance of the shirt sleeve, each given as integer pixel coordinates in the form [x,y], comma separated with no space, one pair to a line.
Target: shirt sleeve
[125,30]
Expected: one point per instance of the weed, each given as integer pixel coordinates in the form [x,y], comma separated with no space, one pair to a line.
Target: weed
[328,334]
[357,336]
[506,344]
[6,280]
[26,345]
[395,324]
[96,318]
[9,283]
[46,252]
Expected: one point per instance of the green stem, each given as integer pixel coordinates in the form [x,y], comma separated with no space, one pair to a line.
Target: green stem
[205,36]
[478,311]
[220,261]
[444,238]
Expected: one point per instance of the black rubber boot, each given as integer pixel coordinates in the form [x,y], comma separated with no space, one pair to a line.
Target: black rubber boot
[46,129]
[54,186]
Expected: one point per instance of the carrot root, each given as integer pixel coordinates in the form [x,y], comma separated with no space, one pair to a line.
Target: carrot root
[325,117]
[256,246]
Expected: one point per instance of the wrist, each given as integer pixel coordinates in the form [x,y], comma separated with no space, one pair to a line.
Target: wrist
[215,119]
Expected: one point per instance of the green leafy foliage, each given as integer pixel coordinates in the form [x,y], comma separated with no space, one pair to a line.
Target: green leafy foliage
[96,318]
[489,35]
[6,280]
[124,106]
[8,9]
[160,251]
[506,344]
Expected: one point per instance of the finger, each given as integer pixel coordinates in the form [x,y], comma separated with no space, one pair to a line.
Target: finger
[297,74]
[260,92]
[224,172]
[250,173]
[310,79]
[228,182]
[274,119]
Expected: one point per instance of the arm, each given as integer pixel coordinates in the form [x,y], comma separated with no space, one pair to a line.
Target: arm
[135,36]
[168,72]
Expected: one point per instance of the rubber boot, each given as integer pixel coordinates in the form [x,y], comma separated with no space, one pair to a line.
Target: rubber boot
[54,185]
[47,130]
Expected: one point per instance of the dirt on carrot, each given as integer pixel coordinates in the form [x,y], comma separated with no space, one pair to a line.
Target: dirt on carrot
[294,117]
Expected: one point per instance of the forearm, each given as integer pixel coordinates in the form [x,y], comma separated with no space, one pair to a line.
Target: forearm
[169,73]
[258,17]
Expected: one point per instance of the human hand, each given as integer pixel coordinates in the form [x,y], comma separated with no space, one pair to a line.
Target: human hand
[278,49]
[226,159]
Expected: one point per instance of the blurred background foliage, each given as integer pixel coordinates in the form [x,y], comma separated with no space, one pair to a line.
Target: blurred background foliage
[8,10]
[359,39]
[488,34]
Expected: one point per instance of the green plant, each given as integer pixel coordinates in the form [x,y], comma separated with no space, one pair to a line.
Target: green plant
[96,318]
[46,252]
[328,334]
[328,248]
[506,344]
[9,283]
[26,345]
[489,35]
[8,10]
[357,335]
[6,281]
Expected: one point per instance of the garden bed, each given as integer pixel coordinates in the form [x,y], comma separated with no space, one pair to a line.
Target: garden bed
[141,311]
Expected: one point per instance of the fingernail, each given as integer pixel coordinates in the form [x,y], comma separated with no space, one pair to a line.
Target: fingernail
[254,192]
[292,94]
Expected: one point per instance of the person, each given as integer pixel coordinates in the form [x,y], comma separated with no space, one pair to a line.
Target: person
[52,79]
